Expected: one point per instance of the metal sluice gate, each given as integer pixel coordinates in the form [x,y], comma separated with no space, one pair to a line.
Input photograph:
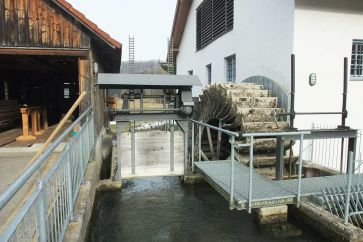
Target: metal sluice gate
[175,94]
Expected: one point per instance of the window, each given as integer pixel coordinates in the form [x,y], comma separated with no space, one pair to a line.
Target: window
[66,93]
[209,74]
[214,19]
[231,68]
[190,72]
[356,68]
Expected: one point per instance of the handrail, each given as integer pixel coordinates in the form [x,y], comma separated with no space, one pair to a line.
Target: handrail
[6,196]
[276,134]
[216,128]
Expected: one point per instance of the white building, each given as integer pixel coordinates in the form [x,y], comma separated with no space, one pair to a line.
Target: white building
[244,40]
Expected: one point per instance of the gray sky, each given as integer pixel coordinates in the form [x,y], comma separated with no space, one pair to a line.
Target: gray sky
[150,21]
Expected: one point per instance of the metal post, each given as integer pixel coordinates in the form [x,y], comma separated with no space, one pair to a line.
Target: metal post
[219,140]
[141,100]
[345,91]
[69,186]
[250,176]
[172,148]
[41,212]
[133,150]
[280,159]
[300,170]
[231,198]
[312,145]
[344,111]
[292,105]
[119,128]
[81,155]
[193,148]
[349,184]
[200,143]
[352,147]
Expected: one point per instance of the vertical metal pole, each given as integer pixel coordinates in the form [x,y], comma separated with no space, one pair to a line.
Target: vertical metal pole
[193,148]
[69,186]
[292,105]
[141,100]
[133,150]
[81,155]
[280,159]
[41,212]
[349,184]
[312,145]
[200,143]
[231,198]
[250,176]
[345,92]
[344,111]
[172,148]
[352,147]
[300,170]
[119,127]
[219,140]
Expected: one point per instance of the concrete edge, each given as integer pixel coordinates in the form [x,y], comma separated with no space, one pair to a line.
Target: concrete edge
[329,225]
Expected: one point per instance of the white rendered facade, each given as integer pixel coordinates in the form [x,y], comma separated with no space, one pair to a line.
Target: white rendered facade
[267,32]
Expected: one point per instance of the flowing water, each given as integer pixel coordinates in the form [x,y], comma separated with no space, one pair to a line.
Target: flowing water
[164,209]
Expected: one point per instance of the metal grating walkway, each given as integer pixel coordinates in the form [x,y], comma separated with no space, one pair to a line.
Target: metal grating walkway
[266,192]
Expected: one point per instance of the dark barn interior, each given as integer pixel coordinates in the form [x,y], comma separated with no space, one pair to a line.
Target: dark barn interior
[50,81]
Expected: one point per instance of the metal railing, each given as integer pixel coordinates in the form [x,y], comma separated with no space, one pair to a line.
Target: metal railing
[251,136]
[49,208]
[232,135]
[354,195]
[329,153]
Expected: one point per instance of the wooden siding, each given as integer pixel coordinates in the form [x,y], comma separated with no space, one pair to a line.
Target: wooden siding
[38,23]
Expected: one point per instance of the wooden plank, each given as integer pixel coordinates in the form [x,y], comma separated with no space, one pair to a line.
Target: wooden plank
[20,14]
[9,136]
[2,23]
[44,51]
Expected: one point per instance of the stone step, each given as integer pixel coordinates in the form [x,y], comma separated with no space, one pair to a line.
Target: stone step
[259,114]
[263,160]
[255,102]
[237,94]
[265,126]
[265,144]
[241,86]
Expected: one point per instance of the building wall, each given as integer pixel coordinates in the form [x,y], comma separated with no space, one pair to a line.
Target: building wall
[262,40]
[323,37]
[38,23]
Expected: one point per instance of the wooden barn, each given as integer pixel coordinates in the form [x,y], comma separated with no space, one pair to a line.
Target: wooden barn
[49,54]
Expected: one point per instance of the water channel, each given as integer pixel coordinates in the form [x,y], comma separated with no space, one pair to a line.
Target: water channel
[164,209]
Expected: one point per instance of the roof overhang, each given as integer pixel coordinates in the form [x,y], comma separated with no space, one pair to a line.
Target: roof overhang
[180,19]
[146,81]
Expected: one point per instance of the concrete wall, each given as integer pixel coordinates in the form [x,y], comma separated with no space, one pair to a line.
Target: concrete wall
[262,40]
[323,37]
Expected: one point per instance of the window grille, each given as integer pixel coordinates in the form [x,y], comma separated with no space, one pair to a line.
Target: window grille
[356,69]
[231,68]
[214,19]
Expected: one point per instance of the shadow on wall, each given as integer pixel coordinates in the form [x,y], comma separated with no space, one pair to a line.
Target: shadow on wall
[346,6]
